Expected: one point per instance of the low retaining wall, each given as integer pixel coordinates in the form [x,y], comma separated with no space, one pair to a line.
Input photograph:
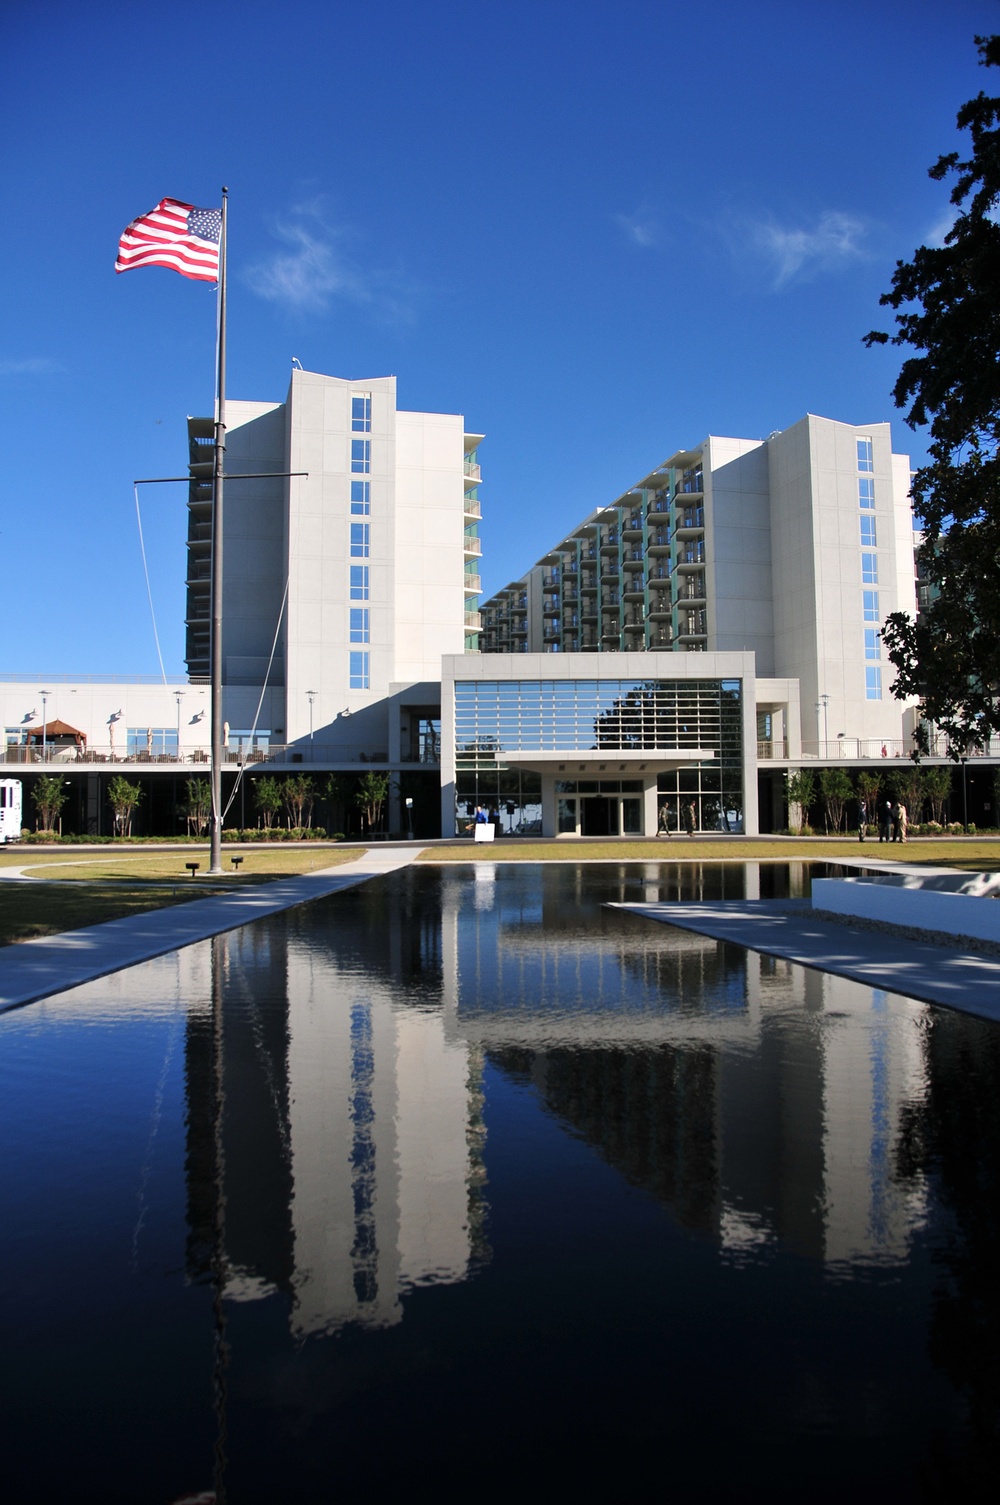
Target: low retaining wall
[963,905]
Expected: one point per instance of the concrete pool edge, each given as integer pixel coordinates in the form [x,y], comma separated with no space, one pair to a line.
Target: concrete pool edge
[966,981]
[31,970]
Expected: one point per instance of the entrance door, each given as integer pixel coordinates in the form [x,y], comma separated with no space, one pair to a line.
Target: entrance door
[598,816]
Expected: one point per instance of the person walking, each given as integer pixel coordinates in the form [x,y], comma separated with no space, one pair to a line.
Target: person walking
[901,821]
[663,820]
[689,818]
[884,821]
[862,819]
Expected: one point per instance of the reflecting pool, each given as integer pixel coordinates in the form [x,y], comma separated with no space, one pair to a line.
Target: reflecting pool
[460,1182]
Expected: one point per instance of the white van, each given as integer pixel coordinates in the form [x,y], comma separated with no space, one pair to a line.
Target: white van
[10,810]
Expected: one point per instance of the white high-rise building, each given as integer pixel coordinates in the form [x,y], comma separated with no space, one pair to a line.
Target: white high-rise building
[374,536]
[795,547]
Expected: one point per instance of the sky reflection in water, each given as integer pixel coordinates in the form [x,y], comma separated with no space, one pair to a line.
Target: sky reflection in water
[462,1177]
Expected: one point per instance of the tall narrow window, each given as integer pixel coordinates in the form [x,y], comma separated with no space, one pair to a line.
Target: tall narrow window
[359,624]
[871,606]
[360,538]
[873,684]
[361,456]
[866,491]
[361,498]
[872,649]
[869,537]
[361,414]
[869,569]
[865,462]
[360,679]
[359,582]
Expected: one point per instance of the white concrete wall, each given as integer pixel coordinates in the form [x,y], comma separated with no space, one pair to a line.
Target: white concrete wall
[738,548]
[90,707]
[428,566]
[927,909]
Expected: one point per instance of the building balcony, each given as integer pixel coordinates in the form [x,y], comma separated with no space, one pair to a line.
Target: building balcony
[472,545]
[472,507]
[632,522]
[658,542]
[474,619]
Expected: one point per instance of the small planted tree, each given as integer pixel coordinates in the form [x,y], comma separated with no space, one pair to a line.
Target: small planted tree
[198,805]
[299,794]
[869,785]
[267,800]
[123,798]
[800,789]
[835,790]
[937,788]
[48,797]
[372,792]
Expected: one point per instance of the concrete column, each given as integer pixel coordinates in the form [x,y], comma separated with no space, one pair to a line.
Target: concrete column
[549,806]
[650,806]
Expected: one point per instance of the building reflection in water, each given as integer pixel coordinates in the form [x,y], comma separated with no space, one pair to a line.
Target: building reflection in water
[335,1093]
[349,1164]
[761,1101]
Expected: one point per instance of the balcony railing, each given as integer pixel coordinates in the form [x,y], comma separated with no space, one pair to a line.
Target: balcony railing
[472,545]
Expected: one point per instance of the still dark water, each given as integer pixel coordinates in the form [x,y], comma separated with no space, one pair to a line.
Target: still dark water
[462,1184]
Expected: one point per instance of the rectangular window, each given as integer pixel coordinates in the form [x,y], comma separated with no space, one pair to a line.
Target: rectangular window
[151,741]
[873,684]
[359,671]
[871,606]
[361,498]
[866,491]
[869,539]
[361,456]
[869,569]
[872,649]
[359,582]
[361,414]
[360,540]
[865,462]
[359,624]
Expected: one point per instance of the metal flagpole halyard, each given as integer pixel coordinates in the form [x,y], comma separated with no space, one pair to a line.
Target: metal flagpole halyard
[215,861]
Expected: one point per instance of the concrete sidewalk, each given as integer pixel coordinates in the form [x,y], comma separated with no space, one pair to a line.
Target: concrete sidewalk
[34,969]
[963,980]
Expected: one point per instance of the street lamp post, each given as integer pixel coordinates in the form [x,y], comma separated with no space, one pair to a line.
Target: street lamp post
[965,803]
[45,721]
[824,702]
[178,696]
[312,697]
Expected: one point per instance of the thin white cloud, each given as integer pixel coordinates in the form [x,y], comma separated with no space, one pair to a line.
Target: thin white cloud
[313,270]
[640,229]
[32,366]
[935,235]
[797,253]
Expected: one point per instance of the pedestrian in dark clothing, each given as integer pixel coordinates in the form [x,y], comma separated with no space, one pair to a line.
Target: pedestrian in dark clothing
[884,821]
[862,820]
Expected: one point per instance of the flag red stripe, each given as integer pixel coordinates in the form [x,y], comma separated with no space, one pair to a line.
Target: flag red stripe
[162,238]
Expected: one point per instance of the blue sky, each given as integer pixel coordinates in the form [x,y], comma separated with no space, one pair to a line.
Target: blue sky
[599,231]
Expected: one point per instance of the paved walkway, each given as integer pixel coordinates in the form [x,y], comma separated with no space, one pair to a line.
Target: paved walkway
[963,980]
[34,969]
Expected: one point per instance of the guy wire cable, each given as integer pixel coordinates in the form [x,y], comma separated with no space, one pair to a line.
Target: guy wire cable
[149,593]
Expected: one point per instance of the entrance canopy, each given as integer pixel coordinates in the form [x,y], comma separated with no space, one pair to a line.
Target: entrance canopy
[613,764]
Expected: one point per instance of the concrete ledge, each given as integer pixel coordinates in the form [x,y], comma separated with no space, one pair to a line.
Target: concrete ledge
[962,905]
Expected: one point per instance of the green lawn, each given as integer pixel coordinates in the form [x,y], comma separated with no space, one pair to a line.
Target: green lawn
[109,887]
[968,852]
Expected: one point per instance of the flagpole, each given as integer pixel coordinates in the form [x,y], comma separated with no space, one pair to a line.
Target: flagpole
[215,863]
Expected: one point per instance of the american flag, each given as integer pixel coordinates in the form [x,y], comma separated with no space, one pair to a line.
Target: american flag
[174,235]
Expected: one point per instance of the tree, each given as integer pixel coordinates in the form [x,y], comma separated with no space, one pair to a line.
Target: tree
[371,796]
[299,795]
[800,788]
[267,799]
[937,789]
[836,789]
[947,303]
[123,798]
[197,806]
[48,797]
[869,785]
